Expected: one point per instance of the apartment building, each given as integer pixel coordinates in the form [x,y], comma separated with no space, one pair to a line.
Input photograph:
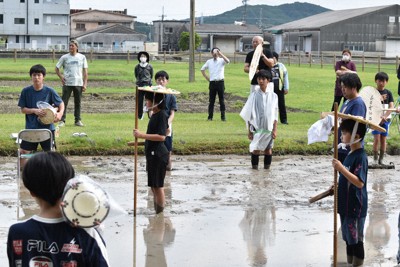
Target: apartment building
[34,24]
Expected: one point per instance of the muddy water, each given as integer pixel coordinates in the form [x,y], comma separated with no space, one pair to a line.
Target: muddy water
[222,213]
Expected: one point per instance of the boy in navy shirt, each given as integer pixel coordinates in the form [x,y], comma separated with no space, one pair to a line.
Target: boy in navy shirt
[46,239]
[352,190]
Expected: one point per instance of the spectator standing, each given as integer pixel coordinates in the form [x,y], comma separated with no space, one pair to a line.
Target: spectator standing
[280,78]
[28,104]
[143,75]
[345,65]
[73,80]
[354,105]
[216,69]
[379,146]
[266,61]
[398,77]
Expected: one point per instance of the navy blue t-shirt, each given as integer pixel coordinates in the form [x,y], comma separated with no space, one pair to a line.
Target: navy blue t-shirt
[29,98]
[355,107]
[353,201]
[158,124]
[53,242]
[170,104]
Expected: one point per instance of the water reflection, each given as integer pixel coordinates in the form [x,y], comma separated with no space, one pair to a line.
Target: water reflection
[259,222]
[158,234]
[377,234]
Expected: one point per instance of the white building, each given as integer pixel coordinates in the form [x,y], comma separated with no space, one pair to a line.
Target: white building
[34,24]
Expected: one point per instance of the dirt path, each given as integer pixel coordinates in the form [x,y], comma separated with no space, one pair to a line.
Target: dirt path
[120,103]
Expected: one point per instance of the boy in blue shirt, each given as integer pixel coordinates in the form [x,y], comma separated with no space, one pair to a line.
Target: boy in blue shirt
[352,190]
[379,147]
[354,105]
[28,104]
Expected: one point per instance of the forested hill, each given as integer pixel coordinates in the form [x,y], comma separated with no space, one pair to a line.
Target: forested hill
[263,16]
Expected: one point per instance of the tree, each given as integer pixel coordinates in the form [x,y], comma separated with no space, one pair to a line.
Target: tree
[184,41]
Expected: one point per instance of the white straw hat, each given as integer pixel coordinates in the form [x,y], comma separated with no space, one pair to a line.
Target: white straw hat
[360,119]
[159,90]
[49,117]
[85,204]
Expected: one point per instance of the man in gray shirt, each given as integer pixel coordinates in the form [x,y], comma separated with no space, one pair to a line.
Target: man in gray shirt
[74,79]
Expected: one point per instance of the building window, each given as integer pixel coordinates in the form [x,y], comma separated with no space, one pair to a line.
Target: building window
[168,30]
[36,1]
[1,19]
[36,21]
[96,44]
[28,39]
[392,19]
[19,20]
[102,23]
[17,39]
[359,48]
[80,27]
[22,1]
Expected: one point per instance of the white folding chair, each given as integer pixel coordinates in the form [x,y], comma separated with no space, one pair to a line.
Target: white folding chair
[33,136]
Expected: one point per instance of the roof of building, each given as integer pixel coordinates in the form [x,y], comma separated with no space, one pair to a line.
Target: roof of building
[227,28]
[90,15]
[315,22]
[114,29]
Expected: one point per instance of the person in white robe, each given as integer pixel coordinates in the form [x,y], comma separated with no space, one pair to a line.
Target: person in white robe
[261,115]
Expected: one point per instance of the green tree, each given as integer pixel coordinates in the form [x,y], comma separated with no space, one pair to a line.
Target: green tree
[184,41]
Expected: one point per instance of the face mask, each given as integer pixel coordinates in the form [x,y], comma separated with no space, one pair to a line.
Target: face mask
[346,58]
[143,59]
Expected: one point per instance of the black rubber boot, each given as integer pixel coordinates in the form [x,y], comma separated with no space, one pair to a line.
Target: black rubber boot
[267,161]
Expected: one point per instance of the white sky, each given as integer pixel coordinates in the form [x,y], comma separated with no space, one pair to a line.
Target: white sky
[149,10]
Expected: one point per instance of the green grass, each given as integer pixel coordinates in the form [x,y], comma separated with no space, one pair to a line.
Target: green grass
[311,92]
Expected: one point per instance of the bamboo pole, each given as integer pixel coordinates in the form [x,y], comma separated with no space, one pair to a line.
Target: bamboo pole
[335,194]
[136,154]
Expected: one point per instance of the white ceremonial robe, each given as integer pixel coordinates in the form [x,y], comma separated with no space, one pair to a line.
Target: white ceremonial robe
[260,111]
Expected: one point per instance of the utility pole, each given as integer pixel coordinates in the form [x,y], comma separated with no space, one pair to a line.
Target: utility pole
[244,2]
[191,41]
[161,29]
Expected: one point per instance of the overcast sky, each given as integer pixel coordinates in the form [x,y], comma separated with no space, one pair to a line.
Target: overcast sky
[149,10]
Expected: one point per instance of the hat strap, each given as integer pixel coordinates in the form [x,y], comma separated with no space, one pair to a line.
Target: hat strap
[353,136]
[154,100]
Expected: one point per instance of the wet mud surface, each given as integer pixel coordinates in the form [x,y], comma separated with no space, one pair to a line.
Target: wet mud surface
[220,212]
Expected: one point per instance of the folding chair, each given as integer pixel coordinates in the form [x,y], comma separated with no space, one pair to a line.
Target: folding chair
[33,136]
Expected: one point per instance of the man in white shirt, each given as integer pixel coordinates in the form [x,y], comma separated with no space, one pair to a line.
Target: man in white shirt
[216,68]
[74,79]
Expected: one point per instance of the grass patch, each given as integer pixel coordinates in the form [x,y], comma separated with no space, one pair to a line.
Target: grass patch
[311,91]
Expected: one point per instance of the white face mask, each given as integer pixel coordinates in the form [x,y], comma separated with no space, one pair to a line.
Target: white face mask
[143,59]
[346,58]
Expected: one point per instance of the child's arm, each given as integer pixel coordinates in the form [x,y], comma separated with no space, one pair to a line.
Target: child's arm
[337,165]
[249,134]
[150,137]
[274,129]
[171,117]
[387,113]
